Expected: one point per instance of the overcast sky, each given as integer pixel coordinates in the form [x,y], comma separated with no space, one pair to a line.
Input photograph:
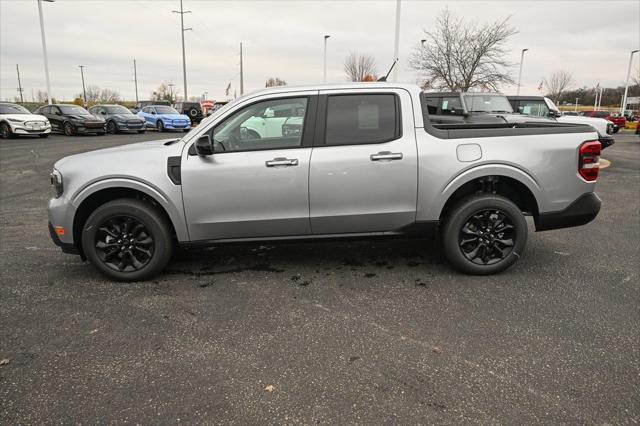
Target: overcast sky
[591,39]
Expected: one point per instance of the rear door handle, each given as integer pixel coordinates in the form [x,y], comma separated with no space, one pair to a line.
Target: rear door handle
[386,156]
[281,161]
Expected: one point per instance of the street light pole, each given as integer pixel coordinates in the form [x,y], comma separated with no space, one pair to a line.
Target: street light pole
[135,78]
[20,90]
[241,72]
[520,73]
[184,60]
[626,86]
[44,50]
[396,46]
[324,67]
[84,92]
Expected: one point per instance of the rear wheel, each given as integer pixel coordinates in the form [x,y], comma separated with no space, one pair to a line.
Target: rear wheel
[484,234]
[160,126]
[68,129]
[127,240]
[5,131]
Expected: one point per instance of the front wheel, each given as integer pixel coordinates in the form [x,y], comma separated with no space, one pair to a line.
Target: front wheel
[127,240]
[68,129]
[112,128]
[160,125]
[484,234]
[5,131]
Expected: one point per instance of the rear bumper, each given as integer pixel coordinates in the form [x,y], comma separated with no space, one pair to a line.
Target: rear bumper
[606,141]
[580,212]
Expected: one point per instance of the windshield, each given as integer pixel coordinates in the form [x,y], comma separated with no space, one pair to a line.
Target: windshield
[117,109]
[73,110]
[165,110]
[487,103]
[13,109]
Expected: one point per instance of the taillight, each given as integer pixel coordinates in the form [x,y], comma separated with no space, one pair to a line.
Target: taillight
[589,160]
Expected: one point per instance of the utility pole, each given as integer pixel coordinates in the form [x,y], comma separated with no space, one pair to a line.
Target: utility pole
[396,46]
[135,78]
[19,84]
[44,50]
[241,73]
[520,73]
[184,60]
[84,92]
[324,79]
[626,86]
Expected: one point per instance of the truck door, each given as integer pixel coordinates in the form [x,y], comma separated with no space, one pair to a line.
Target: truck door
[363,175]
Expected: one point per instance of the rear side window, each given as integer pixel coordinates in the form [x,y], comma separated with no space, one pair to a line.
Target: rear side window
[362,119]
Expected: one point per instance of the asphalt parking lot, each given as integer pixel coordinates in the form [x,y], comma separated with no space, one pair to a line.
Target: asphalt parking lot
[348,332]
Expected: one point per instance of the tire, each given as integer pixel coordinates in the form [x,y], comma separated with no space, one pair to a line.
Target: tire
[43,136]
[5,131]
[112,128]
[100,229]
[160,126]
[193,113]
[68,129]
[469,221]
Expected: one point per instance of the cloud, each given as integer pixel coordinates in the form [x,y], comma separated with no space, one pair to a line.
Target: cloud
[285,39]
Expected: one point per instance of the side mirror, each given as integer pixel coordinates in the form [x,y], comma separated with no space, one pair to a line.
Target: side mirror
[103,112]
[555,114]
[204,146]
[153,113]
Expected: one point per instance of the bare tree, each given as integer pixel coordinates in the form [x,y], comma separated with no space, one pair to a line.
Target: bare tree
[110,96]
[459,55]
[359,67]
[557,83]
[162,93]
[275,81]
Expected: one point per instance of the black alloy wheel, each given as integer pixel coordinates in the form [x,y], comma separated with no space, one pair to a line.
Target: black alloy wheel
[68,129]
[111,128]
[124,244]
[487,237]
[5,131]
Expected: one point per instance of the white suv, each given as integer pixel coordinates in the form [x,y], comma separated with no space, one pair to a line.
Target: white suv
[17,120]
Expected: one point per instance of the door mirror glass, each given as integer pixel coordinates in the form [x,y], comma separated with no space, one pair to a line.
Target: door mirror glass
[204,146]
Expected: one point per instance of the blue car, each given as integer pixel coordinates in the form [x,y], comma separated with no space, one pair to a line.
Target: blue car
[163,117]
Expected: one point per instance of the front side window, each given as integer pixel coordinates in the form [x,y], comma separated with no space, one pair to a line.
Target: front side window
[272,124]
[361,119]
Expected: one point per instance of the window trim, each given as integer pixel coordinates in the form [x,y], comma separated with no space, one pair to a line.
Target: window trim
[308,124]
[319,139]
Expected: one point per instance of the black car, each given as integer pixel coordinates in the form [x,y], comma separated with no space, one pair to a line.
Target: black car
[191,109]
[118,118]
[71,119]
[142,104]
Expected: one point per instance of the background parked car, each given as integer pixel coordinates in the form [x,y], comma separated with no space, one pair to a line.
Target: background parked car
[118,118]
[216,106]
[607,115]
[541,106]
[71,119]
[17,120]
[142,104]
[192,109]
[164,117]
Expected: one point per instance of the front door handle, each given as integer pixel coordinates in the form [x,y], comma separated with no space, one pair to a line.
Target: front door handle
[281,161]
[386,156]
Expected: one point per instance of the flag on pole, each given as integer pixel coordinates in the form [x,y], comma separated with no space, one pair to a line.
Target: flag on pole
[226,92]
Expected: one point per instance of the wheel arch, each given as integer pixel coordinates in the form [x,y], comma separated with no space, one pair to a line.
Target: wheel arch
[508,181]
[104,191]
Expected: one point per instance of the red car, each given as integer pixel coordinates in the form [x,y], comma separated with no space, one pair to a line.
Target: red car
[607,115]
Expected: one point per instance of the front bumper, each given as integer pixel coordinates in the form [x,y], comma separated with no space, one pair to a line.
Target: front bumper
[123,126]
[69,248]
[82,128]
[173,126]
[582,211]
[26,129]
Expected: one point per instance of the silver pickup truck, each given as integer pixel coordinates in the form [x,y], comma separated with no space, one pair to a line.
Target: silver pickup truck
[355,160]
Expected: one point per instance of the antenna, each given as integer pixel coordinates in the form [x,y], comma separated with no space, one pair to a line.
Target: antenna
[390,69]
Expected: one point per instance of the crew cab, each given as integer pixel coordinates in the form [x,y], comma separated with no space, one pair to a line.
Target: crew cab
[541,106]
[367,161]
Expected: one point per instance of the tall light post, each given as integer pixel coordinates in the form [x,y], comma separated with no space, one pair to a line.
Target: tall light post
[170,92]
[396,45]
[184,60]
[520,73]
[84,92]
[324,66]
[626,86]
[135,78]
[241,72]
[44,49]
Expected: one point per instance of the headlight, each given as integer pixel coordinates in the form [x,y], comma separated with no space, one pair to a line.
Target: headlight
[15,120]
[56,182]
